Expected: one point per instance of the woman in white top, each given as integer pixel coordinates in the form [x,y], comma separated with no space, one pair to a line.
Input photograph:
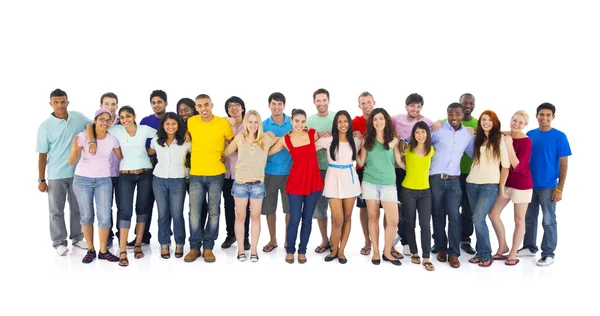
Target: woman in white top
[252,147]
[169,181]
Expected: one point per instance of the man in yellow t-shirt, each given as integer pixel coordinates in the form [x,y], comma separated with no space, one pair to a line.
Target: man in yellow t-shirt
[207,174]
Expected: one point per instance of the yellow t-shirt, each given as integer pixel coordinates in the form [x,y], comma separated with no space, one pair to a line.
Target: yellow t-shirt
[208,143]
[417,170]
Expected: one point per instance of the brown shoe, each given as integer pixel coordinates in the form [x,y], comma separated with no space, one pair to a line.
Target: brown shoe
[454,262]
[289,258]
[192,255]
[442,256]
[302,258]
[209,256]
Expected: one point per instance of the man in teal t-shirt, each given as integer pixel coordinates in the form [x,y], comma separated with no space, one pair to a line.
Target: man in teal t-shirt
[322,123]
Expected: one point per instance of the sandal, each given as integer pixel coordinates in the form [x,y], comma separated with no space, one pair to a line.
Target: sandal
[428,266]
[499,256]
[269,248]
[485,263]
[365,251]
[166,255]
[396,254]
[178,254]
[474,260]
[511,262]
[416,259]
[321,249]
[123,262]
[138,254]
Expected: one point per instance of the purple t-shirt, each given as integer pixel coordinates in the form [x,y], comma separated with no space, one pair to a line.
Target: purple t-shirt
[95,166]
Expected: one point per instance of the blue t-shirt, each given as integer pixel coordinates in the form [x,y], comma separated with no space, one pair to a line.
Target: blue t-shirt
[546,150]
[154,122]
[280,163]
[54,138]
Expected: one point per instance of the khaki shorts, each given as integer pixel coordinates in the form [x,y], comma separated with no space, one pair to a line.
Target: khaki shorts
[518,196]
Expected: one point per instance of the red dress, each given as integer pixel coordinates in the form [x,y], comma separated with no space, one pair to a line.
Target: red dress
[305,176]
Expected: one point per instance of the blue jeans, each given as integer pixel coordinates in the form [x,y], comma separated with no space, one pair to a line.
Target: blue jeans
[301,207]
[446,195]
[481,199]
[400,175]
[199,185]
[543,198]
[127,185]
[89,189]
[170,196]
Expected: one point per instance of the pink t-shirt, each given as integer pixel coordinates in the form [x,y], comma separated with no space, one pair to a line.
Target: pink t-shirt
[96,166]
[231,161]
[403,127]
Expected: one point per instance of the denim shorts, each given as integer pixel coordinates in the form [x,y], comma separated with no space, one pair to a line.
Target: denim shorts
[380,192]
[244,191]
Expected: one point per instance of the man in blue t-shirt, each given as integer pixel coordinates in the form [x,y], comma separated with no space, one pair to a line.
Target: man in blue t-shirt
[549,159]
[158,100]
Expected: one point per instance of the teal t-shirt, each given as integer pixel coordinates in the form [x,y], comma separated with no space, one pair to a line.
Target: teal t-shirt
[54,138]
[133,147]
[379,167]
[321,124]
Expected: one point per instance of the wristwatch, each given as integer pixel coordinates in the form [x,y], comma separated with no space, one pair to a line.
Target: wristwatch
[41,180]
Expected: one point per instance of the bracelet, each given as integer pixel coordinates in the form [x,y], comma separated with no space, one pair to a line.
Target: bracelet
[89,143]
[559,191]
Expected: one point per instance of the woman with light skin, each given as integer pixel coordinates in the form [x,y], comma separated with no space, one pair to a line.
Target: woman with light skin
[341,181]
[304,185]
[252,147]
[169,181]
[486,180]
[518,189]
[378,154]
[92,182]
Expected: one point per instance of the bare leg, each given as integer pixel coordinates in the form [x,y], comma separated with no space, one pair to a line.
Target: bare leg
[337,217]
[138,239]
[271,221]
[391,226]
[499,205]
[348,206]
[240,219]
[124,232]
[520,211]
[88,234]
[374,212]
[323,228]
[364,223]
[103,235]
[255,207]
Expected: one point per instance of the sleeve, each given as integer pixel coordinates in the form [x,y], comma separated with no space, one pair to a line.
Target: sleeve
[434,137]
[504,160]
[470,146]
[153,142]
[523,154]
[323,142]
[563,146]
[85,119]
[431,152]
[116,142]
[228,130]
[150,132]
[81,139]
[187,146]
[42,141]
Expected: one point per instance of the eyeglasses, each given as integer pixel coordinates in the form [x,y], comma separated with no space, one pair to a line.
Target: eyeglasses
[103,120]
[233,104]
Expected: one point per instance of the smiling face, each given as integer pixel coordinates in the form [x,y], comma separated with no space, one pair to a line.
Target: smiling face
[171,126]
[158,105]
[103,122]
[517,123]
[342,124]
[366,104]
[127,119]
[468,104]
[455,116]
[234,110]
[298,122]
[486,123]
[276,107]
[252,124]
[109,104]
[413,110]
[379,122]
[59,104]
[545,118]
[322,103]
[204,107]
[185,112]
[420,135]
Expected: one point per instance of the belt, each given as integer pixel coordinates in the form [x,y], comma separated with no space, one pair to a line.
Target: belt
[252,182]
[349,167]
[135,171]
[445,176]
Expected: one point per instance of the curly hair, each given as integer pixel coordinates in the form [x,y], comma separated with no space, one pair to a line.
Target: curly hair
[162,134]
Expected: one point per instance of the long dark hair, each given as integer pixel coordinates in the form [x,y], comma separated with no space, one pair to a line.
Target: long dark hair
[388,131]
[336,137]
[493,139]
[162,134]
[413,141]
[129,110]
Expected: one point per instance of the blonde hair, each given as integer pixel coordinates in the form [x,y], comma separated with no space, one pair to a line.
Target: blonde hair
[522,113]
[258,139]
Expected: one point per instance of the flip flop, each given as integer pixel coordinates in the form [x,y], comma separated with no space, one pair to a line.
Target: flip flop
[511,262]
[365,251]
[321,249]
[499,257]
[396,254]
[269,248]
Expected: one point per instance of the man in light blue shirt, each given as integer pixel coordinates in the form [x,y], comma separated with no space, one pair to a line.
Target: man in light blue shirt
[277,168]
[450,142]
[54,139]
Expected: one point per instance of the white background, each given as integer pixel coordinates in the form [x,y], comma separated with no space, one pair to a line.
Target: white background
[510,55]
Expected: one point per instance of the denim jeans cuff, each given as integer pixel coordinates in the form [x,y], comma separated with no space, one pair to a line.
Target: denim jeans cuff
[141,218]
[179,246]
[124,224]
[164,246]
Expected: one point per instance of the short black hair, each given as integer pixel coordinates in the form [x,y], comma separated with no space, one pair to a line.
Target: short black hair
[58,93]
[277,96]
[414,98]
[235,99]
[320,91]
[454,105]
[203,96]
[545,106]
[158,93]
[189,103]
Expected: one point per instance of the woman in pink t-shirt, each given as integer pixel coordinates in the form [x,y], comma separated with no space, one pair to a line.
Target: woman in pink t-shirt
[92,181]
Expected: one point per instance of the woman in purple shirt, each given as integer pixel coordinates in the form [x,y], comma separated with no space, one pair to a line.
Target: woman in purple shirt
[518,188]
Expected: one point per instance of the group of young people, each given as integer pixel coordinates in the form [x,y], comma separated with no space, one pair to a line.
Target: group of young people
[459,171]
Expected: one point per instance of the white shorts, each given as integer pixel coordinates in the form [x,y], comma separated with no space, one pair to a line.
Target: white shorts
[518,196]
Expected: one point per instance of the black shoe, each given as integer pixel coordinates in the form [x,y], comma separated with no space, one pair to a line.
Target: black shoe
[433,249]
[131,244]
[247,245]
[395,262]
[376,262]
[342,261]
[467,248]
[228,242]
[329,258]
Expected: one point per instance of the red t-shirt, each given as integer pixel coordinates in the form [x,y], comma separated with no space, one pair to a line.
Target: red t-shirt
[305,176]
[359,123]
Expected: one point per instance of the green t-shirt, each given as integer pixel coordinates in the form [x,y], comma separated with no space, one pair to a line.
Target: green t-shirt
[321,124]
[379,167]
[466,161]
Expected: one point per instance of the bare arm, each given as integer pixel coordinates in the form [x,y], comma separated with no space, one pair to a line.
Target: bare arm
[279,145]
[89,132]
[42,160]
[503,177]
[436,125]
[118,152]
[512,155]
[398,158]
[562,176]
[361,158]
[230,149]
[75,152]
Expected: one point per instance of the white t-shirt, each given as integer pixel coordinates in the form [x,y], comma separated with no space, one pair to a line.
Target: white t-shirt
[171,159]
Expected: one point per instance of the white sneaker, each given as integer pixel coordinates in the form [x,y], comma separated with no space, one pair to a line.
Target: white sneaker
[62,250]
[545,261]
[406,250]
[396,240]
[525,252]
[81,245]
